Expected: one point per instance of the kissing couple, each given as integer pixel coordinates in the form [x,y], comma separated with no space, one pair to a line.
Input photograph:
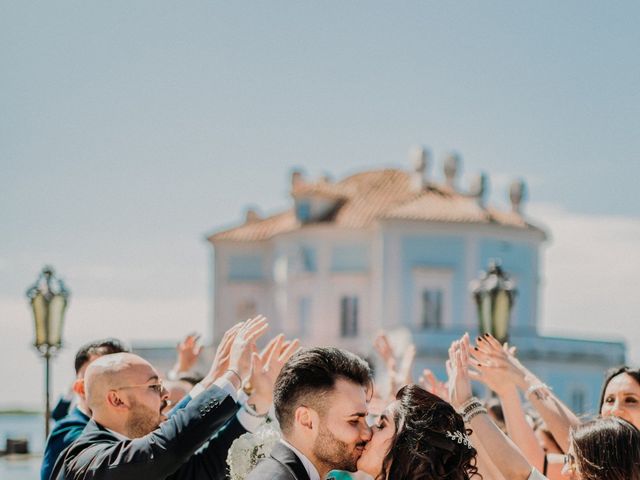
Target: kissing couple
[321,397]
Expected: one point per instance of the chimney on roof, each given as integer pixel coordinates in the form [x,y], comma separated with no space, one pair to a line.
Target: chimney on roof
[252,215]
[517,194]
[296,178]
[419,157]
[451,167]
[480,188]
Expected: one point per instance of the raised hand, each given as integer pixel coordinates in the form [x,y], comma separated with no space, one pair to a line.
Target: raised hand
[265,369]
[188,351]
[432,384]
[220,362]
[496,365]
[405,376]
[384,349]
[244,345]
[459,382]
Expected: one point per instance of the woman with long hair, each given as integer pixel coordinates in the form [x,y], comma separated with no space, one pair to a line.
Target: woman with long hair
[419,437]
[603,449]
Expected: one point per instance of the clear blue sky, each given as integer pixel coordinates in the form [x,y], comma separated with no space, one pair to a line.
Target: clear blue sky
[130,129]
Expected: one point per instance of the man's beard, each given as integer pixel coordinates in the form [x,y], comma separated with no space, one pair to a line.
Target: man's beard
[142,420]
[334,453]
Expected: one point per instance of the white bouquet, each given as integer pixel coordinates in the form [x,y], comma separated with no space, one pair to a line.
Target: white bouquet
[248,449]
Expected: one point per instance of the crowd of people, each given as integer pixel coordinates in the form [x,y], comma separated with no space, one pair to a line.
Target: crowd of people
[127,420]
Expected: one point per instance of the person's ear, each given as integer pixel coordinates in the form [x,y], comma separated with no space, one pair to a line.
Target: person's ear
[115,401]
[305,418]
[78,387]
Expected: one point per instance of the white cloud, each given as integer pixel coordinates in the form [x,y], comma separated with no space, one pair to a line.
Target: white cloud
[590,276]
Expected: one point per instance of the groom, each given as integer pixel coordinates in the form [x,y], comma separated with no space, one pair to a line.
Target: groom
[320,399]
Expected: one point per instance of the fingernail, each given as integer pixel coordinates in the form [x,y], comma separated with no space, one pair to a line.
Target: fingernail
[475,348]
[487,335]
[479,339]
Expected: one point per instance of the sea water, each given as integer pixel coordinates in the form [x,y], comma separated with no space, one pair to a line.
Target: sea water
[31,428]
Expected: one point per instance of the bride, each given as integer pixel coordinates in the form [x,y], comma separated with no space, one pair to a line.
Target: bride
[419,437]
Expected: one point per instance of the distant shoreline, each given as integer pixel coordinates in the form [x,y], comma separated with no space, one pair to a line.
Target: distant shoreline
[20,411]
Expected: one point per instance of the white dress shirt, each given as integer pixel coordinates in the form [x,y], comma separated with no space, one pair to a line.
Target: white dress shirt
[308,466]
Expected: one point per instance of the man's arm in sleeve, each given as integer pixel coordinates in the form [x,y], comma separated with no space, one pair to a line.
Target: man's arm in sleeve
[211,463]
[62,408]
[163,451]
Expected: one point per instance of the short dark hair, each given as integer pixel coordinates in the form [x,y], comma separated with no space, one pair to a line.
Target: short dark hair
[607,449]
[313,372]
[99,348]
[614,372]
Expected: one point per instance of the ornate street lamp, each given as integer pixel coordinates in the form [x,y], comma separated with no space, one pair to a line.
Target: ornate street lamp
[49,298]
[494,294]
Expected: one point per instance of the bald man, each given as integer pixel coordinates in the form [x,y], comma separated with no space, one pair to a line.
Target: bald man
[129,438]
[70,427]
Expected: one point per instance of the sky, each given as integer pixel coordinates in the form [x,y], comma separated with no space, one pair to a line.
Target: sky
[130,130]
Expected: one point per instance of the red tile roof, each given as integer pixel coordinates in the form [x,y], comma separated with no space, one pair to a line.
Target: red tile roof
[376,195]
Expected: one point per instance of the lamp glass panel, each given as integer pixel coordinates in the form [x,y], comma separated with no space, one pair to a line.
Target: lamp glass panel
[485,313]
[57,306]
[501,315]
[39,305]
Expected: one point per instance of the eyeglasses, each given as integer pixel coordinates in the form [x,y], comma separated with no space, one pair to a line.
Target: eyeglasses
[156,387]
[569,461]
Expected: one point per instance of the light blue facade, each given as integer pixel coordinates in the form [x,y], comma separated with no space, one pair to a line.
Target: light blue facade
[521,261]
[246,268]
[309,258]
[352,258]
[433,252]
[574,368]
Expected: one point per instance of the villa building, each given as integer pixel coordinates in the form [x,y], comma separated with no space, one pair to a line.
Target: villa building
[393,249]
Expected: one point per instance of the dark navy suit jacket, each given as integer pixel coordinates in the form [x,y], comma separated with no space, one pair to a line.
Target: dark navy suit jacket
[67,431]
[168,452]
[64,433]
[61,409]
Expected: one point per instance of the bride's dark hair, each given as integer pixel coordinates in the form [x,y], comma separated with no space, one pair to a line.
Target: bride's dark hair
[422,448]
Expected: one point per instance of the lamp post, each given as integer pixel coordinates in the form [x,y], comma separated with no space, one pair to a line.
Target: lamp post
[494,294]
[48,298]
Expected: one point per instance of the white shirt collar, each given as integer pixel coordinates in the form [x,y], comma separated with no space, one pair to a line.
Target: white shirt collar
[308,466]
[119,436]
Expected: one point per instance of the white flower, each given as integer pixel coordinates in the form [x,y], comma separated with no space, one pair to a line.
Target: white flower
[248,449]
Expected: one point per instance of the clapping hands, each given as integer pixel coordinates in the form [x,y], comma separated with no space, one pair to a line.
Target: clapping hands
[244,345]
[265,368]
[496,365]
[432,384]
[458,368]
[235,351]
[398,377]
